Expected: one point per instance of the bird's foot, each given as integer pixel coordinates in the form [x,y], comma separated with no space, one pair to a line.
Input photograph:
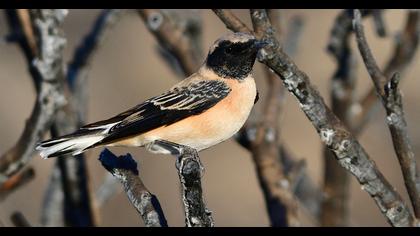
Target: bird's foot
[178,150]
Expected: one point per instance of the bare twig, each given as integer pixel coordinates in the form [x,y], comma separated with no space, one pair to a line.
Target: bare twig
[124,168]
[348,151]
[172,39]
[334,211]
[189,172]
[49,66]
[19,220]
[405,49]
[391,99]
[16,181]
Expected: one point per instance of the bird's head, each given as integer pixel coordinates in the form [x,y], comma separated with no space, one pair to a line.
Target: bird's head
[233,55]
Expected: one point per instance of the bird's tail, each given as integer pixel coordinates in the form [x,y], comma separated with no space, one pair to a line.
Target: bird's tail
[73,144]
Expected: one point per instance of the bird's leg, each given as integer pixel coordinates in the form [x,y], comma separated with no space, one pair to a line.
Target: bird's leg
[178,150]
[165,147]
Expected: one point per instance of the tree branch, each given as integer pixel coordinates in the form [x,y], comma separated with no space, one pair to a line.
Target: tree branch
[49,67]
[189,172]
[392,101]
[405,48]
[124,168]
[348,151]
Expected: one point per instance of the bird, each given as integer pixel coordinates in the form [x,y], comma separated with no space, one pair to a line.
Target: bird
[200,111]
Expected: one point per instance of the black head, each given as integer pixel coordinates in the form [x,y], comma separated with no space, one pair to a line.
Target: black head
[233,55]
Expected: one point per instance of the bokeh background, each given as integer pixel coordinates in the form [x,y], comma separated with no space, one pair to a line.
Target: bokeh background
[127,70]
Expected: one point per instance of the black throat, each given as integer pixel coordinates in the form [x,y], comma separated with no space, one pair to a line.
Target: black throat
[230,65]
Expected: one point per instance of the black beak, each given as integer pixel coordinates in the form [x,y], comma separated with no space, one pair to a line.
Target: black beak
[260,44]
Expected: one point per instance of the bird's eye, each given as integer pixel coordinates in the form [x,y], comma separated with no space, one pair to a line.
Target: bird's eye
[228,49]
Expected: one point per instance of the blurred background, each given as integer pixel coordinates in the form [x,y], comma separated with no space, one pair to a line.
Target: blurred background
[127,70]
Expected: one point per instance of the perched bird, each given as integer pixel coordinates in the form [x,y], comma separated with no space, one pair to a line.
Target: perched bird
[200,111]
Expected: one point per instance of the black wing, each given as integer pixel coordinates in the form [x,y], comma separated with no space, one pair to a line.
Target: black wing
[163,110]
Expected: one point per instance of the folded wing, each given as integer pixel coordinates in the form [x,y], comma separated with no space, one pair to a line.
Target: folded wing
[172,106]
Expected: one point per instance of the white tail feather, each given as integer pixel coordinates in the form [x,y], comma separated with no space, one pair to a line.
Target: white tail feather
[73,145]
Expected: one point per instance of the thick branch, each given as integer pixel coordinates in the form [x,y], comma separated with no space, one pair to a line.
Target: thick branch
[124,168]
[348,151]
[49,67]
[392,101]
[189,172]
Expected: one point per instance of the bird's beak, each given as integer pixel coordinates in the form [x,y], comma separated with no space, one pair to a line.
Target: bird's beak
[260,44]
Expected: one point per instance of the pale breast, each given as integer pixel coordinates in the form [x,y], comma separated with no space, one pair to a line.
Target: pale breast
[213,126]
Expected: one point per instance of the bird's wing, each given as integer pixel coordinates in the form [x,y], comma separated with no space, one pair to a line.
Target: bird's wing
[178,103]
